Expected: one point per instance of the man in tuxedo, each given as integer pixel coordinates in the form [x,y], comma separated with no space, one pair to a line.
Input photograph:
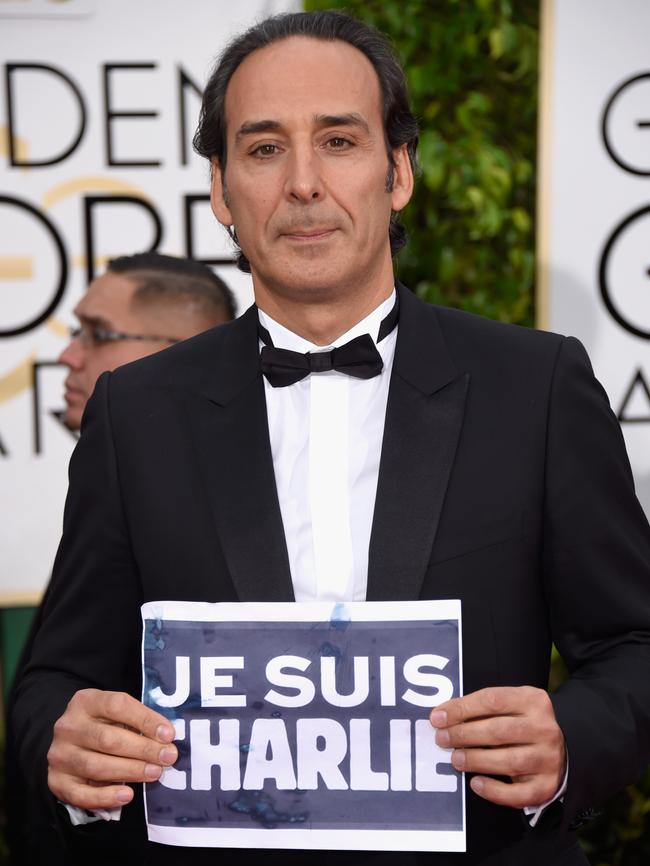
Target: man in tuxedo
[343,440]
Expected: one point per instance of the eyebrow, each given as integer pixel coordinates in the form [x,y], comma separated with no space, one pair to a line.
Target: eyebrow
[352,118]
[251,127]
[94,320]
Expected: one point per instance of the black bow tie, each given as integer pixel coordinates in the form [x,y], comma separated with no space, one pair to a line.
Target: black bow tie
[358,358]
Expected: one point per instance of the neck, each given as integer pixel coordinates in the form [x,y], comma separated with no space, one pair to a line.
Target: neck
[324,321]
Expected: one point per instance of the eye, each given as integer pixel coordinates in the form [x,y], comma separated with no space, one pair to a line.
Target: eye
[265,150]
[338,143]
[100,335]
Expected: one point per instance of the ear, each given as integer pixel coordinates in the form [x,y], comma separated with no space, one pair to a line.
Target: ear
[218,196]
[402,179]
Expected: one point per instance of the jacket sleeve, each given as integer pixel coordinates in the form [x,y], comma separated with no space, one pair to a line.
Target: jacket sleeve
[90,629]
[596,564]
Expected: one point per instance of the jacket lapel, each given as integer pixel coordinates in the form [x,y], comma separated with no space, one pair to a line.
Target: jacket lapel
[230,433]
[423,422]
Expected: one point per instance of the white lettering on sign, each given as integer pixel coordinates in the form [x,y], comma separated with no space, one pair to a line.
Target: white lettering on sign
[321,747]
[269,757]
[414,674]
[182,692]
[211,681]
[361,688]
[440,688]
[276,676]
[205,754]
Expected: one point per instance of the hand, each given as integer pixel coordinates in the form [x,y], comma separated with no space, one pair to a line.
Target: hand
[104,737]
[505,732]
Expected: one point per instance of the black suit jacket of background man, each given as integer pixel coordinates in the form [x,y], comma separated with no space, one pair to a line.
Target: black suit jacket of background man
[503,482]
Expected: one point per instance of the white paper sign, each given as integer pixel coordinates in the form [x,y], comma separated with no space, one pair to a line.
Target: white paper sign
[305,725]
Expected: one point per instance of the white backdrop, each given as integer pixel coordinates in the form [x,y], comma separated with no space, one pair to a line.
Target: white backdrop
[595,200]
[98,105]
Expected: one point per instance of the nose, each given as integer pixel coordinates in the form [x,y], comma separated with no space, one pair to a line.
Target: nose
[73,355]
[304,182]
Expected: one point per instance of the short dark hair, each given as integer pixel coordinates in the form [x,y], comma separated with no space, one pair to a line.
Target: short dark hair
[171,279]
[400,125]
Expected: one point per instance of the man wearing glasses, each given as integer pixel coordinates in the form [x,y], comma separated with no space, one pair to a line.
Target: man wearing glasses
[143,303]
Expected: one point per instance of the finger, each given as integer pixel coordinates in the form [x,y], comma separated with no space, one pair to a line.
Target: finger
[486,703]
[77,792]
[71,737]
[124,709]
[516,762]
[120,742]
[97,767]
[497,731]
[518,795]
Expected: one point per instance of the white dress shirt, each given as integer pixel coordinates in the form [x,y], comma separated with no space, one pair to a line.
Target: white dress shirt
[326,433]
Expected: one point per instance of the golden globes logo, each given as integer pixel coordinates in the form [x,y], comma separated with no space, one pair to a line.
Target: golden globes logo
[624,269]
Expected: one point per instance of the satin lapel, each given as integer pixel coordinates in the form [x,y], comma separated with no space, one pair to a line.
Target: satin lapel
[423,422]
[230,434]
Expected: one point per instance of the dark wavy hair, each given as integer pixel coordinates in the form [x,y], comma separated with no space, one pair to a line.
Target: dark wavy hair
[400,125]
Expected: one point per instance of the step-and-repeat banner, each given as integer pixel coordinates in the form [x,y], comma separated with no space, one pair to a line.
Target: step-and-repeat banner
[594,193]
[98,106]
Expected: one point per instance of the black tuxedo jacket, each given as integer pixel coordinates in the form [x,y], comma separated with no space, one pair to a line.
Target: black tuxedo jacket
[503,482]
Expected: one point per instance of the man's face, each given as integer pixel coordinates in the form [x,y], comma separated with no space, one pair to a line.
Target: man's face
[107,304]
[306,171]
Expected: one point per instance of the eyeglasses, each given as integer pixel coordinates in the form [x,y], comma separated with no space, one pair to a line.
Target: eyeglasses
[95,335]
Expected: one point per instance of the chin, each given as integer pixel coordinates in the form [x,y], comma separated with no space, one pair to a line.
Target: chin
[311,284]
[72,421]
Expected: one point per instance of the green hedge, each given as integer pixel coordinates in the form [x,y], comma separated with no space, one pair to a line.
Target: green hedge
[472,67]
[472,71]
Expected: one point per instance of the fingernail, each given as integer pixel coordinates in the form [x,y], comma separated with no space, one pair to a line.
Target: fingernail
[442,738]
[164,733]
[152,772]
[477,784]
[124,795]
[458,759]
[168,755]
[438,718]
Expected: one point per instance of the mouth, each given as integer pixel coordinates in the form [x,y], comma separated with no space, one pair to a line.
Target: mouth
[72,395]
[310,235]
